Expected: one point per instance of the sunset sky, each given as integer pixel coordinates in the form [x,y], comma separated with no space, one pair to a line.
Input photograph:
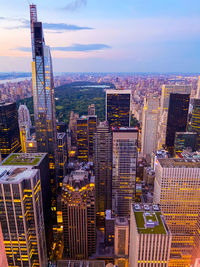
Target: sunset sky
[105,35]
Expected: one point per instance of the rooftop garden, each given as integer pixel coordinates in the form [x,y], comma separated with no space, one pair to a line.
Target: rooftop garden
[18,159]
[141,227]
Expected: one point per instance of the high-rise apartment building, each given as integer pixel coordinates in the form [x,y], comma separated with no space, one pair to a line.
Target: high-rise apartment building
[9,129]
[92,127]
[177,118]
[38,161]
[103,169]
[176,189]
[43,91]
[118,107]
[150,238]
[195,120]
[124,169]
[166,91]
[79,215]
[150,119]
[21,217]
[43,99]
[121,241]
[82,139]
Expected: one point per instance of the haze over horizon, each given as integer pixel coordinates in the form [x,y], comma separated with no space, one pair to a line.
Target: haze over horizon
[106,36]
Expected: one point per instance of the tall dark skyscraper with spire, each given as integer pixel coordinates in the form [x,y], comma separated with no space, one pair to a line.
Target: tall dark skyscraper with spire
[43,94]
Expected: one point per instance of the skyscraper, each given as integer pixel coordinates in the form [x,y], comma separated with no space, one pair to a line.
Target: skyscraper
[118,107]
[177,118]
[22,216]
[79,216]
[176,189]
[43,91]
[150,118]
[185,140]
[103,169]
[9,130]
[150,238]
[92,127]
[43,97]
[62,156]
[38,161]
[195,120]
[124,169]
[121,241]
[166,91]
[3,258]
[82,139]
[24,119]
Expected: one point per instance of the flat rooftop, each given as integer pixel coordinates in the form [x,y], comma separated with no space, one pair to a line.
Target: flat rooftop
[81,263]
[25,159]
[60,135]
[149,219]
[180,162]
[13,175]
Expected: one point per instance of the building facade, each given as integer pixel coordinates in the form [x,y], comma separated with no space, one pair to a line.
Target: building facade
[162,125]
[177,118]
[79,215]
[92,128]
[103,169]
[150,238]
[9,130]
[195,120]
[22,216]
[150,117]
[179,179]
[82,139]
[118,107]
[124,169]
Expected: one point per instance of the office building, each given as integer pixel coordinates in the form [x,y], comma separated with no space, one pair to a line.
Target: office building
[103,170]
[195,120]
[150,238]
[150,117]
[121,241]
[79,216]
[177,118]
[61,127]
[62,157]
[9,130]
[124,169]
[185,141]
[81,263]
[118,107]
[38,161]
[167,90]
[22,217]
[92,128]
[179,179]
[82,139]
[3,258]
[91,110]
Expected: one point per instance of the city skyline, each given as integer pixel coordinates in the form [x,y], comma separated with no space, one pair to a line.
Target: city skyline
[106,36]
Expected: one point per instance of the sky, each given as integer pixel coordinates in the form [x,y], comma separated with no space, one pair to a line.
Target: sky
[105,35]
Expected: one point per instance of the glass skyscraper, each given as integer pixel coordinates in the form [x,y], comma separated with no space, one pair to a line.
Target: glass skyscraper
[9,130]
[43,96]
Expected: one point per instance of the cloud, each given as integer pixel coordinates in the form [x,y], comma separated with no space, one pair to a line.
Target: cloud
[81,47]
[72,48]
[75,5]
[24,23]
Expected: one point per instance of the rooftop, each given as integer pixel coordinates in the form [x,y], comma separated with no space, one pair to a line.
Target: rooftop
[10,175]
[60,135]
[149,219]
[185,162]
[25,159]
[118,91]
